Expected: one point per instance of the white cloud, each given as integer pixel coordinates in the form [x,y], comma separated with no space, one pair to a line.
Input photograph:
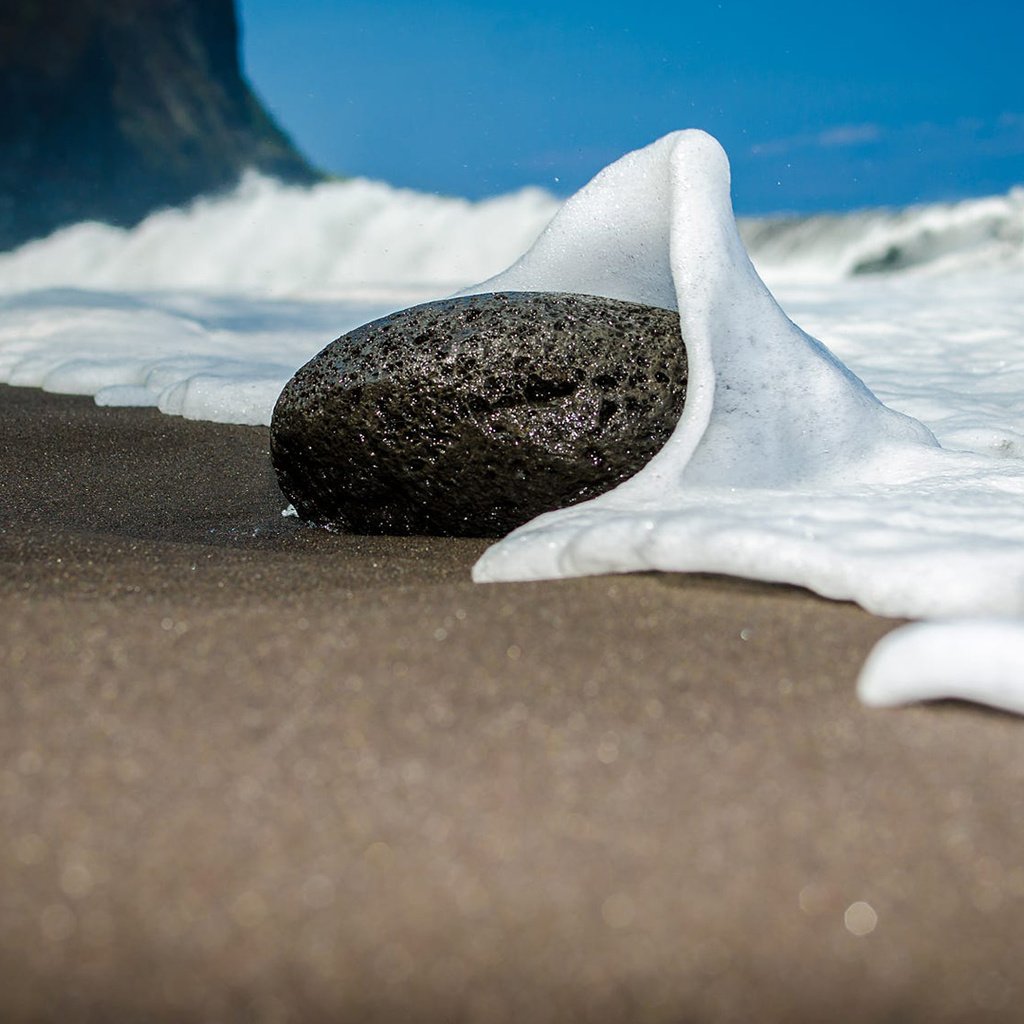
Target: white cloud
[831,138]
[1003,134]
[849,135]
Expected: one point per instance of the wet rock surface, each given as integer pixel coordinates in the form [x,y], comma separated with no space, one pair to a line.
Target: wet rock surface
[470,416]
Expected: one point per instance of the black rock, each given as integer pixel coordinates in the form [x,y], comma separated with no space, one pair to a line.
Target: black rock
[470,416]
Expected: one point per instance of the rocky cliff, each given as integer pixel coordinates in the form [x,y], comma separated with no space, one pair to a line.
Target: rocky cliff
[113,108]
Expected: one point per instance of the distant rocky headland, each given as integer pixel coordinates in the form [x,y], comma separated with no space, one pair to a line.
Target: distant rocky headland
[114,108]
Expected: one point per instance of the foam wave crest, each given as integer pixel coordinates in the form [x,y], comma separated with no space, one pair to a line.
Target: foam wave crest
[944,238]
[335,240]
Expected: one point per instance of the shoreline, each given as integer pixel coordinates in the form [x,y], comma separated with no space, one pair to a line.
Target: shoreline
[255,770]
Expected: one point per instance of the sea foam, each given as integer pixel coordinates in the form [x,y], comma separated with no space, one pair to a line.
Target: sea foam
[356,239]
[785,466]
[972,659]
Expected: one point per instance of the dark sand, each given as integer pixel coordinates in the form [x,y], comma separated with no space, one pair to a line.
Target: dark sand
[252,771]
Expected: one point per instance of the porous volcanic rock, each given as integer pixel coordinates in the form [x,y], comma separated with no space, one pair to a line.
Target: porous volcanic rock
[472,415]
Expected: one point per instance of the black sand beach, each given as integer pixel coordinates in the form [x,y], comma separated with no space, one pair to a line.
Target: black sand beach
[253,771]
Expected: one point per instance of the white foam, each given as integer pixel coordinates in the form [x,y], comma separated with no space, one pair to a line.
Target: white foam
[979,660]
[940,238]
[223,359]
[784,465]
[340,240]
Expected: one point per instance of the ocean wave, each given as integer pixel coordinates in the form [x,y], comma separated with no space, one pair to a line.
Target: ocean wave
[369,241]
[338,240]
[973,234]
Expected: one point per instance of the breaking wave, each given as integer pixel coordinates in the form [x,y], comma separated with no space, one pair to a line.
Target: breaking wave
[368,240]
[348,239]
[973,234]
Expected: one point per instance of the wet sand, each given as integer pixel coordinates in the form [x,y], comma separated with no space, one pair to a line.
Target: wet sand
[254,771]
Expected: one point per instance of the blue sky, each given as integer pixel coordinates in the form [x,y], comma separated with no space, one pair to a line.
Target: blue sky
[820,106]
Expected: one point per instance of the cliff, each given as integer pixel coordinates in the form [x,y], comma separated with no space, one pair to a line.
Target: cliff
[114,108]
